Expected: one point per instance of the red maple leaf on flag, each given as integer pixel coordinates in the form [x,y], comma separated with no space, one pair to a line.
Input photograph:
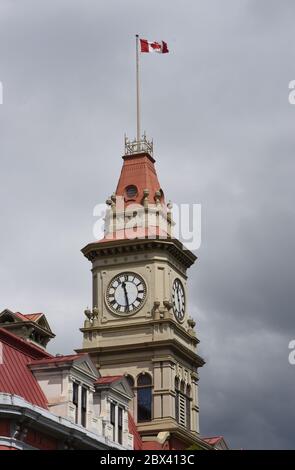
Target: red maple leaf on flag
[155,45]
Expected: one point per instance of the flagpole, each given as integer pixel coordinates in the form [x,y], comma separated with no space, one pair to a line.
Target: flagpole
[137,94]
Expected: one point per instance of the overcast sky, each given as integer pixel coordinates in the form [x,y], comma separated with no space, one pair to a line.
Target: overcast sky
[217,108]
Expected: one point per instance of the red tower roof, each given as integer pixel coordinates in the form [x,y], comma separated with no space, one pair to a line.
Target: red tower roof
[138,174]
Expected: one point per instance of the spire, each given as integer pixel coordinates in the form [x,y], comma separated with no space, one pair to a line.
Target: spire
[137,209]
[138,182]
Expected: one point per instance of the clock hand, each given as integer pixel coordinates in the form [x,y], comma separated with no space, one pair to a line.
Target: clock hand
[178,297]
[126,294]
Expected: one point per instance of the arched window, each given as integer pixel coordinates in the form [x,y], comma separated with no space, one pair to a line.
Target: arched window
[182,387]
[130,380]
[182,403]
[132,404]
[144,398]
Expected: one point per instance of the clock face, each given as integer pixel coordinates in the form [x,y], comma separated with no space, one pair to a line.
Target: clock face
[178,300]
[126,293]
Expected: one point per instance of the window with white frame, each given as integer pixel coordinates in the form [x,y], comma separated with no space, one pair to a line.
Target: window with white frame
[113,419]
[120,425]
[116,420]
[84,406]
[75,400]
[79,399]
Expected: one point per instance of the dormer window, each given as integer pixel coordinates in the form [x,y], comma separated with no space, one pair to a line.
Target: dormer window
[116,420]
[115,396]
[32,327]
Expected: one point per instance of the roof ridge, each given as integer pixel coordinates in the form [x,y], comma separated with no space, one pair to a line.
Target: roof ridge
[63,357]
[104,379]
[31,314]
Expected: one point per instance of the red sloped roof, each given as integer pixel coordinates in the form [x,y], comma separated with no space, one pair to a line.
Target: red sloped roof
[7,448]
[33,316]
[212,440]
[28,316]
[108,379]
[15,376]
[59,359]
[137,442]
[21,316]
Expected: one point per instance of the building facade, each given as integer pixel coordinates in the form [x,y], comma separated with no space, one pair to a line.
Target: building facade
[58,402]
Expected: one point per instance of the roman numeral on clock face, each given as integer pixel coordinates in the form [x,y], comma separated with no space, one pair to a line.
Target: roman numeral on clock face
[178,300]
[126,293]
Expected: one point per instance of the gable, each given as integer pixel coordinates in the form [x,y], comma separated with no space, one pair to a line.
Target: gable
[85,365]
[7,316]
[43,323]
[121,386]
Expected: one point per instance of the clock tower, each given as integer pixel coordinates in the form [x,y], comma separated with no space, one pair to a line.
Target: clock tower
[139,325]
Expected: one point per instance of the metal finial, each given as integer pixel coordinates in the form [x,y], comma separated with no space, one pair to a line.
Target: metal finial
[142,146]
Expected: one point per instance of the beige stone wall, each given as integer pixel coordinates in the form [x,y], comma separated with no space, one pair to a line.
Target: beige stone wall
[150,340]
[157,272]
[163,372]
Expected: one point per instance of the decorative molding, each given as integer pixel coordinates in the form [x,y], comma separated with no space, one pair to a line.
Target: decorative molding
[13,406]
[114,247]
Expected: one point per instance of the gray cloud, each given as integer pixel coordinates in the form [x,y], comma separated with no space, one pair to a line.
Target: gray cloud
[218,110]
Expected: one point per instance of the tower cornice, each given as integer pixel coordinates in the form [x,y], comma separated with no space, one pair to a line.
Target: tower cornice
[133,325]
[135,156]
[173,246]
[171,344]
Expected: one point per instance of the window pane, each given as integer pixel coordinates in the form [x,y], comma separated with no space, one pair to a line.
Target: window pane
[112,413]
[83,406]
[120,425]
[131,191]
[144,400]
[75,393]
[84,398]
[120,416]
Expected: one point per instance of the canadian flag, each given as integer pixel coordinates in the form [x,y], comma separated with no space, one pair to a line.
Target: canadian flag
[160,47]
